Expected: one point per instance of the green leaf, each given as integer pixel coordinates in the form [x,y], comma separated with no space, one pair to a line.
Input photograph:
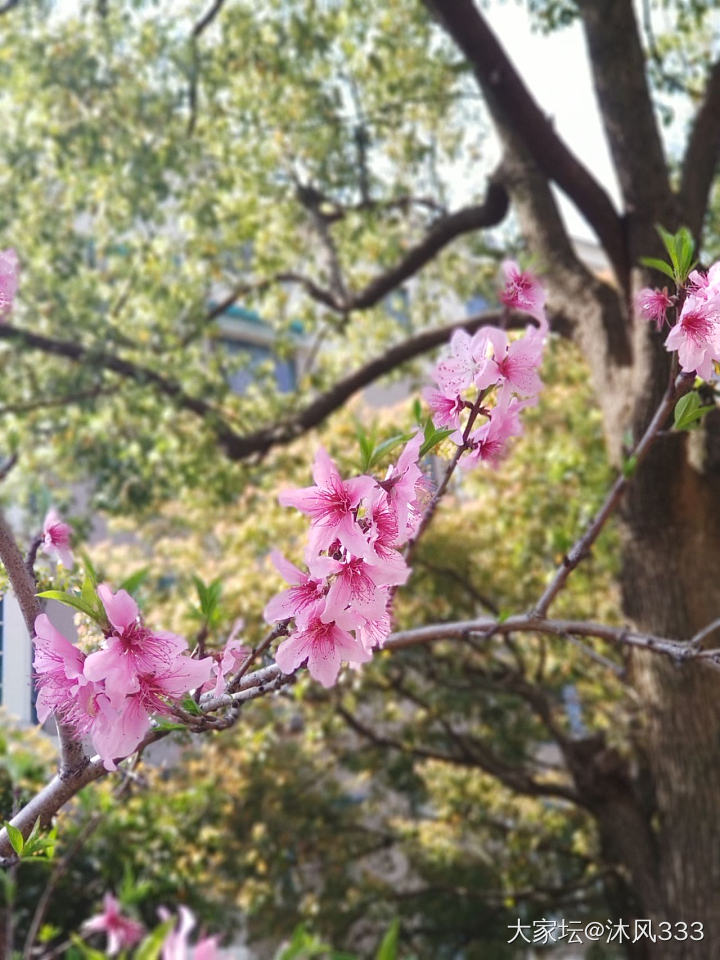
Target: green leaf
[150,947]
[629,466]
[389,945]
[16,839]
[689,410]
[189,706]
[385,447]
[135,580]
[86,952]
[431,441]
[660,265]
[90,571]
[88,595]
[670,242]
[70,600]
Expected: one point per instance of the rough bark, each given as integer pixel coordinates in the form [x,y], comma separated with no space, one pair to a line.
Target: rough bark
[657,807]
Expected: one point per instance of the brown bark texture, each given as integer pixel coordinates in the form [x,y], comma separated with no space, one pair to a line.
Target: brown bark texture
[656,806]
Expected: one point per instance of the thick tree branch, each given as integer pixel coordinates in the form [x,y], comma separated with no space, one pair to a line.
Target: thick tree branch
[22,581]
[701,156]
[98,358]
[509,99]
[514,777]
[242,446]
[442,231]
[618,65]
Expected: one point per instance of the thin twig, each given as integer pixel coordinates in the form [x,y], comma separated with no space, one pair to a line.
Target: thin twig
[581,548]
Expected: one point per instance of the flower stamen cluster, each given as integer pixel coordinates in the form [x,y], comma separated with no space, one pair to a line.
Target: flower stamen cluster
[487,366]
[111,694]
[339,604]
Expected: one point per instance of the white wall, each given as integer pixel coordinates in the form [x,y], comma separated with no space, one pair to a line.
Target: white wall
[16,662]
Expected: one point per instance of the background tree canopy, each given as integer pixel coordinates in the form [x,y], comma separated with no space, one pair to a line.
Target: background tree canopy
[328,171]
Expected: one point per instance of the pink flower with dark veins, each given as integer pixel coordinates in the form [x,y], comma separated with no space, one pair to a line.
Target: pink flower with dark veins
[122,932]
[132,649]
[696,336]
[305,591]
[332,506]
[356,584]
[523,291]
[514,364]
[323,645]
[372,624]
[56,538]
[490,441]
[383,532]
[63,688]
[652,305]
[445,409]
[402,484]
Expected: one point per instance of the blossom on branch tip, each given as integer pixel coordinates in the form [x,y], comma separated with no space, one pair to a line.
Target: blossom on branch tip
[331,505]
[652,305]
[175,946]
[122,932]
[63,688]
[696,335]
[523,291]
[56,538]
[323,645]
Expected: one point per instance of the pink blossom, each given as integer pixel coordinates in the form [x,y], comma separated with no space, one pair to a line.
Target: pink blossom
[302,595]
[62,687]
[696,336]
[652,305]
[9,269]
[124,712]
[332,506]
[523,291]
[402,484]
[445,410]
[356,584]
[56,538]
[383,532]
[176,946]
[117,731]
[456,370]
[122,932]
[226,661]
[323,645]
[372,623]
[514,364]
[132,649]
[141,671]
[489,443]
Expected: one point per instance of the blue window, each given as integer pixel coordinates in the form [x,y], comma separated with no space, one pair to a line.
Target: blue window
[258,353]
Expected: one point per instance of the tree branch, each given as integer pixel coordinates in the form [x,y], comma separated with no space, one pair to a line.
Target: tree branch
[513,777]
[618,65]
[143,376]
[701,156]
[581,548]
[443,230]
[326,403]
[509,98]
[239,446]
